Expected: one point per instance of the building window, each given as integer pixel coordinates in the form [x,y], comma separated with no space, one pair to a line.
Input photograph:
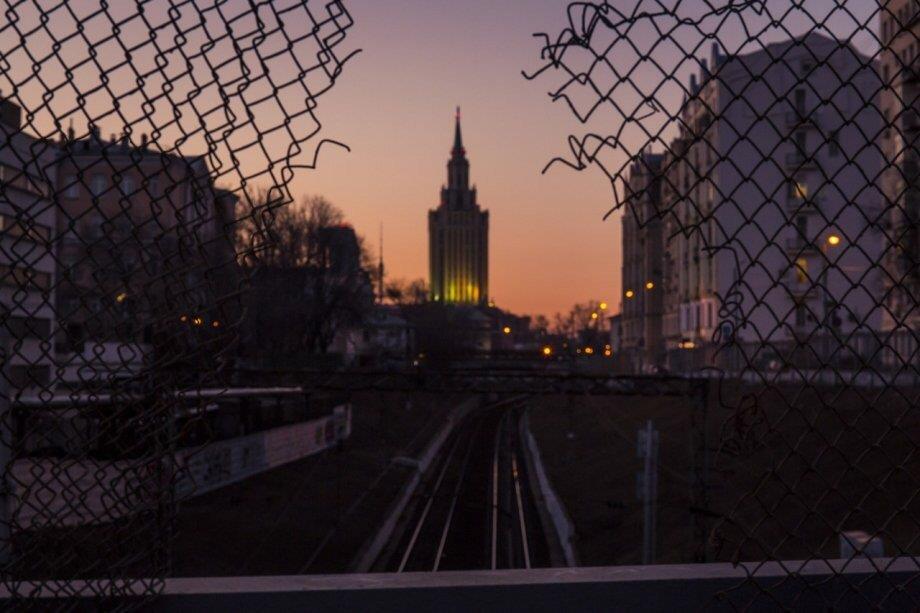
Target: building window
[21,377]
[97,185]
[801,140]
[71,187]
[797,190]
[28,327]
[24,278]
[801,223]
[833,143]
[801,271]
[13,227]
[800,101]
[127,185]
[800,315]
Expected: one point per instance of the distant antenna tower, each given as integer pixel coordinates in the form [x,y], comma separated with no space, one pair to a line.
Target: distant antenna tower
[380,269]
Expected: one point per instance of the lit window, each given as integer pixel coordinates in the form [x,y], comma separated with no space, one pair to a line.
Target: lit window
[801,270]
[798,190]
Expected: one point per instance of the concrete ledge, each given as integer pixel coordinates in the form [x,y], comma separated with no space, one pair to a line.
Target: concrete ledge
[844,585]
[552,510]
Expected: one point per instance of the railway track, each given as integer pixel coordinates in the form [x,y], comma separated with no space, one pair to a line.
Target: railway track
[474,509]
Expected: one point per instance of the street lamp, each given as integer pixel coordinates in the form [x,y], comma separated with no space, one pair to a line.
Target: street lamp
[832,240]
[630,293]
[650,285]
[507,329]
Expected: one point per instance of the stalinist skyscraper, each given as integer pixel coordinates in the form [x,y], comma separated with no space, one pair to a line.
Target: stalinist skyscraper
[458,234]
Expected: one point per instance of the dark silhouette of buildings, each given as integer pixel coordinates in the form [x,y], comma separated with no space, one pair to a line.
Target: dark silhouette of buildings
[458,233]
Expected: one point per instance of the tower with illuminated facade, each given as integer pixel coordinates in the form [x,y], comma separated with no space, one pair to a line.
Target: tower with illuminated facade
[458,233]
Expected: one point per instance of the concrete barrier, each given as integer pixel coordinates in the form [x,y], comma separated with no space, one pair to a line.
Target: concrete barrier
[844,585]
[549,502]
[364,561]
[69,492]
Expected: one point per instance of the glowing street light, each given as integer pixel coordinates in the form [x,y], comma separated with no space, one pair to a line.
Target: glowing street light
[833,240]
[650,285]
[507,329]
[603,306]
[594,315]
[547,351]
[630,293]
[589,350]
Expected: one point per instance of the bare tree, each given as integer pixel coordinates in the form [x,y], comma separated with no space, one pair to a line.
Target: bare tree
[584,322]
[309,272]
[540,325]
[282,235]
[401,292]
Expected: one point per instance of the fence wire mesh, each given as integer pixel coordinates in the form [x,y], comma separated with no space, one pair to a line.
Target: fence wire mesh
[764,154]
[121,268]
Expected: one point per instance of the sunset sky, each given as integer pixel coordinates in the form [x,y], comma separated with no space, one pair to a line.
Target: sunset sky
[394,106]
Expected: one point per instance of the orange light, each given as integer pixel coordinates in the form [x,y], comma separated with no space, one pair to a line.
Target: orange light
[603,306]
[593,315]
[650,285]
[833,240]
[183,318]
[121,297]
[589,350]
[547,351]
[215,324]
[198,321]
[608,353]
[630,293]
[506,330]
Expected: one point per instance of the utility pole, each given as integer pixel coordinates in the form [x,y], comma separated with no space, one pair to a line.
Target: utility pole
[647,488]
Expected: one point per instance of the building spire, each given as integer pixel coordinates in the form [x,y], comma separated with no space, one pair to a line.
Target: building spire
[458,150]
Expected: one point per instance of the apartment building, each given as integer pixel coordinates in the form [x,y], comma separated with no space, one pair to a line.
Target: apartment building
[770,198]
[27,254]
[641,341]
[900,180]
[145,250]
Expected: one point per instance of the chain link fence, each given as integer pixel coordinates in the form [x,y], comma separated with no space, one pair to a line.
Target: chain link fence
[133,137]
[764,156]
